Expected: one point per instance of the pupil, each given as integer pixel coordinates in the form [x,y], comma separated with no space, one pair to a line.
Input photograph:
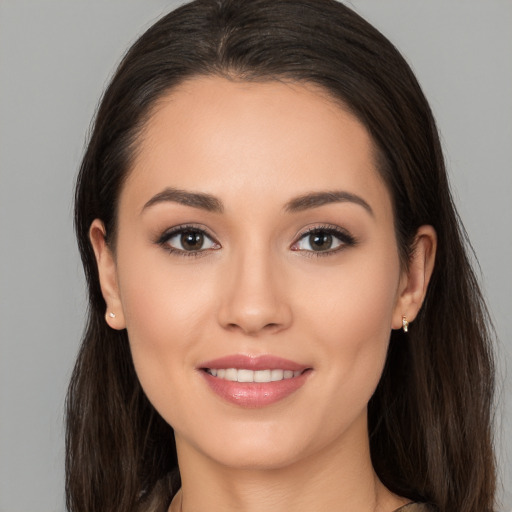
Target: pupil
[192,240]
[320,241]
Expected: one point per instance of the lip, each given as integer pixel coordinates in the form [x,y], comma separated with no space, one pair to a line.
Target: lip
[254,394]
[244,362]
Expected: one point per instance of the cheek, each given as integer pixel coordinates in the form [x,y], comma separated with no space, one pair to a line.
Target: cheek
[352,319]
[166,310]
[358,297]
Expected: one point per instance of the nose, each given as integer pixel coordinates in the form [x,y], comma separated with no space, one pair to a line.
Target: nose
[253,296]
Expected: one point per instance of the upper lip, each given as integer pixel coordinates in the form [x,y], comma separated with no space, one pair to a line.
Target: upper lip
[245,362]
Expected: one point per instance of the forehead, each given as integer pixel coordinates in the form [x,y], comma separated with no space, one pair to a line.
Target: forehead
[269,140]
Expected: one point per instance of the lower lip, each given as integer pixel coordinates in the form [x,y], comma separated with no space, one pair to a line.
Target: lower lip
[254,394]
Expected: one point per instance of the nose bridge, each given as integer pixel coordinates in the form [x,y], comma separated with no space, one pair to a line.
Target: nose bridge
[253,299]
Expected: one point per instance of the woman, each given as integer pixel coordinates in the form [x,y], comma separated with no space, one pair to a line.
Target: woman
[262,210]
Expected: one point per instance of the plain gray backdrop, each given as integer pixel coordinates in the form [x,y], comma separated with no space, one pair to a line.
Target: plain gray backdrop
[55,59]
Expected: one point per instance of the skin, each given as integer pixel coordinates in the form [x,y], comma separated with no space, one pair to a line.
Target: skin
[258,288]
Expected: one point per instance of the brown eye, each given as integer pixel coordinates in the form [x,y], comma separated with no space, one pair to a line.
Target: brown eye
[192,240]
[187,240]
[320,241]
[326,240]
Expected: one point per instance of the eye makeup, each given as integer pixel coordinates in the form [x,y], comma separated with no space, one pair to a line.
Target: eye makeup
[323,240]
[191,240]
[187,240]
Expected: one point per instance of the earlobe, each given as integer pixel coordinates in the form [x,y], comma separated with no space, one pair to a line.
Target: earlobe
[415,280]
[107,272]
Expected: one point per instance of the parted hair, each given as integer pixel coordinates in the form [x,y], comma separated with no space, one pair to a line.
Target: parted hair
[430,417]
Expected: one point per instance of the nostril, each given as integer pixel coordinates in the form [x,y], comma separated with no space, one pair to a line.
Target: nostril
[252,329]
[254,316]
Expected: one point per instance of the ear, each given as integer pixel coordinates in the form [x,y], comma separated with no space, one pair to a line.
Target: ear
[107,271]
[414,281]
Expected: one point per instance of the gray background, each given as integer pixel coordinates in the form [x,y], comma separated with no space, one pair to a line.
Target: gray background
[55,58]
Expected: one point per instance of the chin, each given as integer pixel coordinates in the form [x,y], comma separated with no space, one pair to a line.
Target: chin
[273,445]
[257,456]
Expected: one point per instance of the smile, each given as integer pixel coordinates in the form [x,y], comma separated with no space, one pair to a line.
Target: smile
[254,381]
[244,375]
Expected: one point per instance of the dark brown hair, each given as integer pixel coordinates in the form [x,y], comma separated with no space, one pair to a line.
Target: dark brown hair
[430,417]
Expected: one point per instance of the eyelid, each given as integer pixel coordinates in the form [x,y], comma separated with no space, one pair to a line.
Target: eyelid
[164,238]
[344,236]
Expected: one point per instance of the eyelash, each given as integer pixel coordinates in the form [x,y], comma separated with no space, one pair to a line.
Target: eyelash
[169,234]
[346,239]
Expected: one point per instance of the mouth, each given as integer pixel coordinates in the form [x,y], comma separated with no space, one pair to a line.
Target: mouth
[254,381]
[245,375]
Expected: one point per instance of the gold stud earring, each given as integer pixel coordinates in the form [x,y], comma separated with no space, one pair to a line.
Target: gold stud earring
[405,324]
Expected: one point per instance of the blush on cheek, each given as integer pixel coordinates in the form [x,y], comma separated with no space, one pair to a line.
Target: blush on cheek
[357,323]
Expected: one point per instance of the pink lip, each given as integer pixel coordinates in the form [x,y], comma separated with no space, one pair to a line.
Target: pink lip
[254,394]
[264,362]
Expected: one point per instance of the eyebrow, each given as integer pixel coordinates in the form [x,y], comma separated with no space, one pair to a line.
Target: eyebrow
[194,199]
[210,203]
[317,199]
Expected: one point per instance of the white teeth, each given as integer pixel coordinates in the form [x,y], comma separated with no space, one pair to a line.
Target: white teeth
[244,375]
[231,374]
[263,376]
[276,375]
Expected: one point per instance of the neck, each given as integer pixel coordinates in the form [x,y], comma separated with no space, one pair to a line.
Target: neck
[338,478]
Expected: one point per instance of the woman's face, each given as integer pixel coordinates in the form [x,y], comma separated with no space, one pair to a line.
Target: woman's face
[256,243]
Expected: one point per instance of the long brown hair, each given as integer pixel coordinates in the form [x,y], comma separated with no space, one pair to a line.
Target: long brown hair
[430,417]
